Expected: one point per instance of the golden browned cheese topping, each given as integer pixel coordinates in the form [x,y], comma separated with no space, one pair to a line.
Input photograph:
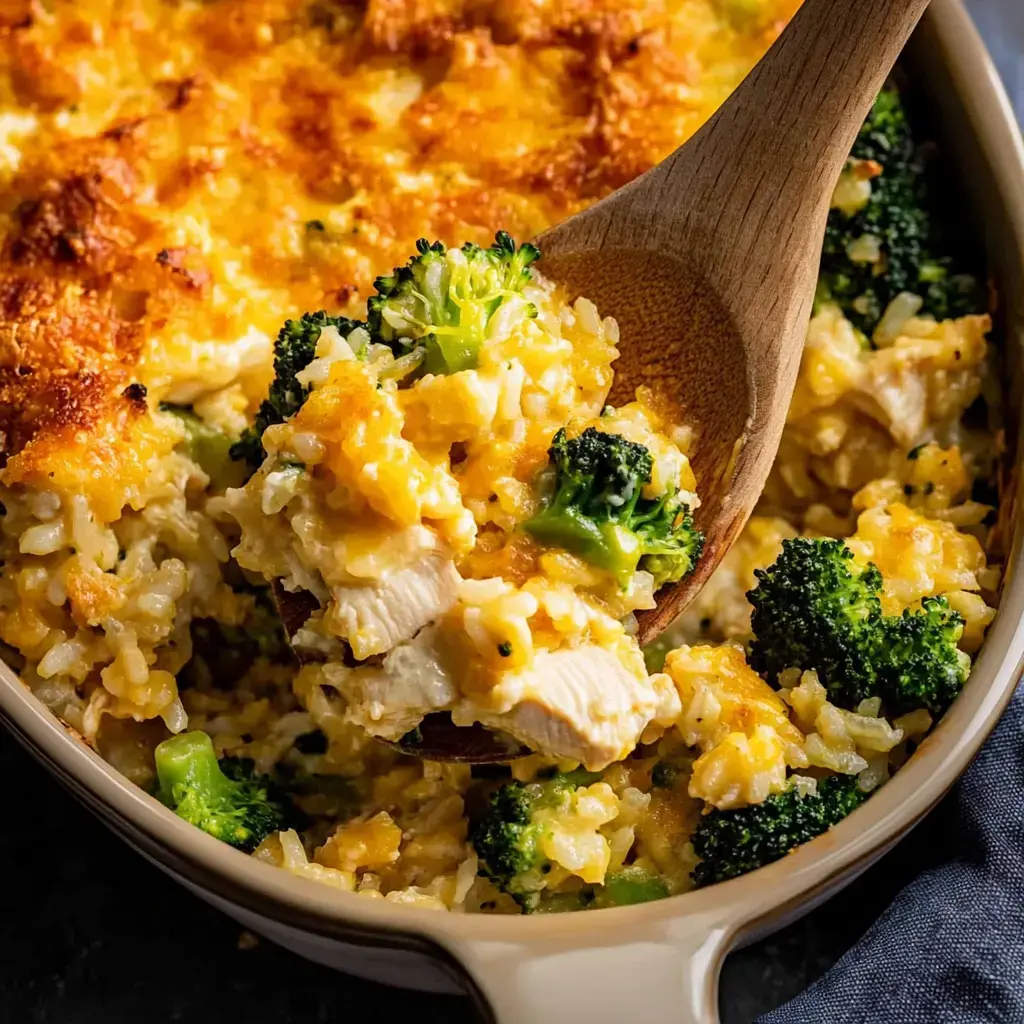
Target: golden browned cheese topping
[178,177]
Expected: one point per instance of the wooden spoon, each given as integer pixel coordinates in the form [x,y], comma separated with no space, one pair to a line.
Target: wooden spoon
[709,261]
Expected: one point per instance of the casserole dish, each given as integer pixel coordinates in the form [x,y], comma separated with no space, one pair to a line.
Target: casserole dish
[577,967]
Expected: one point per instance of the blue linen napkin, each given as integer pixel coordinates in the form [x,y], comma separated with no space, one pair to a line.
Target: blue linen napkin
[950,948]
[1001,22]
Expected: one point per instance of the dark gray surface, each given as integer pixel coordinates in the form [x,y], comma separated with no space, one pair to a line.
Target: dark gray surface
[91,933]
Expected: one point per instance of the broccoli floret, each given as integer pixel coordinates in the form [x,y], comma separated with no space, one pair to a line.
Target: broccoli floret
[294,350]
[815,609]
[731,843]
[921,664]
[810,608]
[597,510]
[225,799]
[508,838]
[444,299]
[885,136]
[898,216]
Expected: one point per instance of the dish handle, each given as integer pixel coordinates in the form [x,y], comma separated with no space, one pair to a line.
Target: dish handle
[667,974]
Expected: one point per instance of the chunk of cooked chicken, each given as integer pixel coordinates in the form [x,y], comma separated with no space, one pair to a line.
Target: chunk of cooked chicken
[581,703]
[577,703]
[376,617]
[390,699]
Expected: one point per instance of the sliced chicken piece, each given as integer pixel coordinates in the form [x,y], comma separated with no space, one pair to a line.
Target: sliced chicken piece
[379,616]
[581,704]
[390,699]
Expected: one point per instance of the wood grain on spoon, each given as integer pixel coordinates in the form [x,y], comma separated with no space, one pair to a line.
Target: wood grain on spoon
[709,261]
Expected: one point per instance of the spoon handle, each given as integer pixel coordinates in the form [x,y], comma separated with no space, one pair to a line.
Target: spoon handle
[766,164]
[757,178]
[797,115]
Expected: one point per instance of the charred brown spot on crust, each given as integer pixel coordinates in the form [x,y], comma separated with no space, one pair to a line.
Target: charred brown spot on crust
[39,77]
[16,15]
[392,26]
[51,325]
[184,264]
[72,298]
[346,294]
[50,404]
[124,129]
[182,92]
[79,219]
[136,393]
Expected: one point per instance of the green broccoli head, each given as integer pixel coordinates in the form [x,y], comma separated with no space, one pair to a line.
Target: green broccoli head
[815,609]
[445,299]
[597,509]
[885,136]
[897,217]
[921,665]
[294,350]
[508,837]
[809,610]
[731,843]
[226,799]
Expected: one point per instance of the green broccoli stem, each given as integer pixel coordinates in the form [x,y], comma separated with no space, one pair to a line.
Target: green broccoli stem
[606,545]
[223,798]
[188,761]
[209,448]
[629,886]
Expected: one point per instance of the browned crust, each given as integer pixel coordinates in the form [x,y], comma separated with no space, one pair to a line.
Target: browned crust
[531,109]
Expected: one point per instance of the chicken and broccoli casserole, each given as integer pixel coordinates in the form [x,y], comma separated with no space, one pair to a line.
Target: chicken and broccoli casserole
[266,332]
